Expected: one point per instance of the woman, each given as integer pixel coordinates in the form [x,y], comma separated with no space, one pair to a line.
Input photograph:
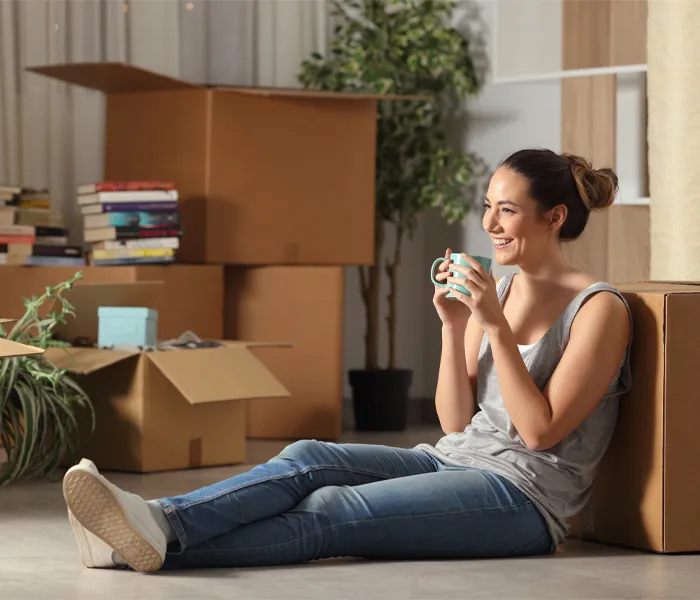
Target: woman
[527,395]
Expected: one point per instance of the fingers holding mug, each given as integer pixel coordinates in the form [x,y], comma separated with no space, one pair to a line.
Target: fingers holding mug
[445,264]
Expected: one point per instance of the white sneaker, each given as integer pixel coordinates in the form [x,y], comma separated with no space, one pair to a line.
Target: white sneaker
[121,520]
[94,553]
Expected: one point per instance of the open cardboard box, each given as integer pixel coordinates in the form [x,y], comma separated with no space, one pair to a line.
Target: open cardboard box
[647,494]
[161,410]
[264,175]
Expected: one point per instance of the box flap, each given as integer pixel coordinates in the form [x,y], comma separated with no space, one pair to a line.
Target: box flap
[88,297]
[244,344]
[112,78]
[217,374]
[660,286]
[9,348]
[83,361]
[304,93]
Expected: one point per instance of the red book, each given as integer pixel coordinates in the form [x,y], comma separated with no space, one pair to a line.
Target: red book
[17,239]
[123,186]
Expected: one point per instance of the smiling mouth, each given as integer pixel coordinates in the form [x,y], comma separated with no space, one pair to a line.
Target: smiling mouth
[502,242]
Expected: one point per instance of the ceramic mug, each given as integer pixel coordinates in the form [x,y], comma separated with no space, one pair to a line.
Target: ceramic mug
[457,259]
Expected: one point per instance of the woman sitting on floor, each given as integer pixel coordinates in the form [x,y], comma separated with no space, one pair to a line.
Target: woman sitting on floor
[531,371]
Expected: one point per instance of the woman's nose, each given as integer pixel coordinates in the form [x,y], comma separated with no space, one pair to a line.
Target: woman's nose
[490,221]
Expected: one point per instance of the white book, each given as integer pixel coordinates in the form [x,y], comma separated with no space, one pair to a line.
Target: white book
[129,196]
[139,244]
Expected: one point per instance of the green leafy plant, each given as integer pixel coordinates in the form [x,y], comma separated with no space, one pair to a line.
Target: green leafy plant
[408,48]
[38,427]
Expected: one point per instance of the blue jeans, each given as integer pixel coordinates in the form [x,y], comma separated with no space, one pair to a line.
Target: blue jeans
[321,500]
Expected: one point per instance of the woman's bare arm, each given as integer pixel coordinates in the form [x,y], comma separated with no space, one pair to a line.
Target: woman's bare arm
[599,337]
[456,388]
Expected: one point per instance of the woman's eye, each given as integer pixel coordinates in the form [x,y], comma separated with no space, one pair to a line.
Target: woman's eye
[487,206]
[508,210]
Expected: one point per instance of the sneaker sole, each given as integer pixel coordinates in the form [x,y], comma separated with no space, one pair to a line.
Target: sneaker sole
[96,509]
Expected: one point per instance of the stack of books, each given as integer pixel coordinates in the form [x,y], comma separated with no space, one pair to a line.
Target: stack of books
[31,233]
[130,222]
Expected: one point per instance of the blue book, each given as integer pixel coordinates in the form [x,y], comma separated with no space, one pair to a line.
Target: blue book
[136,260]
[115,219]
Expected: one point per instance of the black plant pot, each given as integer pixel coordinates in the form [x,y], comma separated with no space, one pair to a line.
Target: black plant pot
[380,399]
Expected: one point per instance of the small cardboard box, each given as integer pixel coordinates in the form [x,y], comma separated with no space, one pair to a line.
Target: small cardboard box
[265,176]
[165,410]
[647,494]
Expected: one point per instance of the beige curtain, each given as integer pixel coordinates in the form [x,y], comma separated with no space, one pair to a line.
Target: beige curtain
[673,47]
[51,134]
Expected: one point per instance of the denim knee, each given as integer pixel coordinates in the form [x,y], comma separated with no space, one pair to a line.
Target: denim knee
[301,451]
[324,500]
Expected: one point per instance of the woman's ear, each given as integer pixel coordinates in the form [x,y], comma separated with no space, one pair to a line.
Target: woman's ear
[557,216]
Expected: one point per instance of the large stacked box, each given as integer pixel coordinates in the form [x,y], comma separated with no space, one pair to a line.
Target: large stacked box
[130,222]
[647,493]
[32,232]
[276,184]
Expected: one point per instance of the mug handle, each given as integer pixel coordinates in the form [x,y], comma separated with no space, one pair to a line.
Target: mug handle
[437,262]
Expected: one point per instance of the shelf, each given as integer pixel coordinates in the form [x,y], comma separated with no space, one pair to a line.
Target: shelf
[634,201]
[569,73]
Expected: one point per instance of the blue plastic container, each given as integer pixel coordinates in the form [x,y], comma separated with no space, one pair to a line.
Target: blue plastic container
[127,326]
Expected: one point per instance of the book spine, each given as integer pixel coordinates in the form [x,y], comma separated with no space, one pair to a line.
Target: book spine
[51,240]
[50,250]
[51,232]
[159,219]
[160,242]
[117,186]
[137,196]
[18,230]
[117,219]
[55,261]
[132,253]
[131,233]
[17,239]
[134,260]
[109,207]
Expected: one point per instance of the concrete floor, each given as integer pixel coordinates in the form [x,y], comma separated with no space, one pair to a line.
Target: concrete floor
[38,559]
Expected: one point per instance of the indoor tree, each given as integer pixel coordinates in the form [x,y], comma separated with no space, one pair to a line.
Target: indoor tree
[412,48]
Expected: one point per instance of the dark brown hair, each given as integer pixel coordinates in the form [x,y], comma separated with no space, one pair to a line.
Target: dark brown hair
[567,179]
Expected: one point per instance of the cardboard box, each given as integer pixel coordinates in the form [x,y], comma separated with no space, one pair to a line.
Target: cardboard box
[648,492]
[302,306]
[165,410]
[191,296]
[265,176]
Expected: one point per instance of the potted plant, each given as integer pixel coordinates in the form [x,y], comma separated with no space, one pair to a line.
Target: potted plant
[410,48]
[38,428]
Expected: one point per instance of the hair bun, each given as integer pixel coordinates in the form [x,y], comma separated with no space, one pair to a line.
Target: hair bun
[596,187]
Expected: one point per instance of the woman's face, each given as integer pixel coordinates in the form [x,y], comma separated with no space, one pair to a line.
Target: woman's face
[520,232]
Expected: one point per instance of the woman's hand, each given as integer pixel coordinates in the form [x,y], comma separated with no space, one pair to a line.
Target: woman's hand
[453,314]
[483,302]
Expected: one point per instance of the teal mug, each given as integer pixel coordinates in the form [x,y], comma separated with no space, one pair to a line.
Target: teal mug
[457,259]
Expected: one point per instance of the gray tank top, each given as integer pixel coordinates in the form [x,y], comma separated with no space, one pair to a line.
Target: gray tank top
[557,480]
